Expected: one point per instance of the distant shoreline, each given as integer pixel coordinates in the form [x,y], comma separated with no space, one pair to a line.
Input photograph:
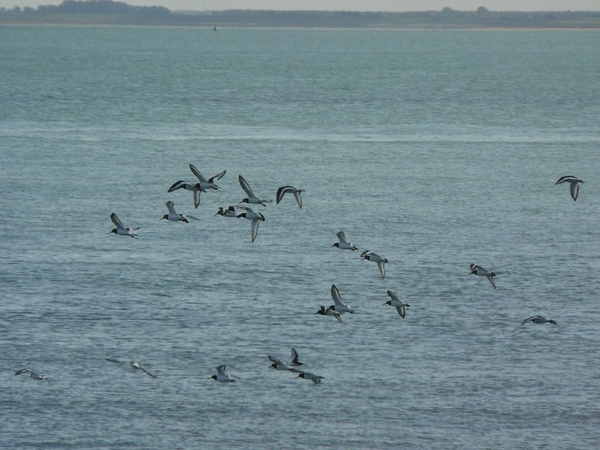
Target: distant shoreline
[241,27]
[426,20]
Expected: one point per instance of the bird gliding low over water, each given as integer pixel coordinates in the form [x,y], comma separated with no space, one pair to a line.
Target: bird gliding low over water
[344,244]
[339,306]
[222,376]
[256,219]
[121,230]
[292,190]
[538,319]
[252,198]
[173,216]
[574,184]
[381,262]
[397,303]
[481,272]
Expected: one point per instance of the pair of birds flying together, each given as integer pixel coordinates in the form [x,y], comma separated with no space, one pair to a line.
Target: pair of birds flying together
[292,367]
[37,376]
[249,213]
[278,365]
[344,244]
[255,200]
[338,308]
[34,375]
[480,271]
[172,216]
[197,188]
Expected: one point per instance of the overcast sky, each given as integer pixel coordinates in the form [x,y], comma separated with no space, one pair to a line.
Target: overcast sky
[349,5]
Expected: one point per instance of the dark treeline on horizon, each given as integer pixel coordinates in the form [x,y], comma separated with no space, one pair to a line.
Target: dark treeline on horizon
[98,7]
[447,17]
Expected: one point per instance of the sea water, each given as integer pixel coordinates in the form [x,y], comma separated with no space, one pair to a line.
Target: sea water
[434,149]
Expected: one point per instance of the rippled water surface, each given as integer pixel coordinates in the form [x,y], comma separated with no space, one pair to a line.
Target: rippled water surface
[434,149]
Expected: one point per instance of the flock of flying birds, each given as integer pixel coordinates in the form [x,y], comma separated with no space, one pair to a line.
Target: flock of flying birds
[336,310]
